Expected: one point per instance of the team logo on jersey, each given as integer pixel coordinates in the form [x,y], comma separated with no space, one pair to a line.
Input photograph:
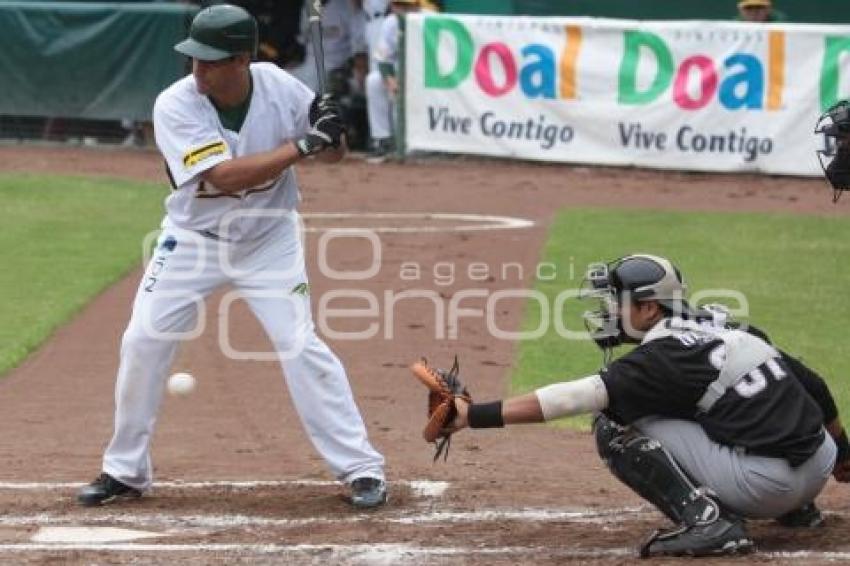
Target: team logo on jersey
[301,289]
[195,156]
[169,243]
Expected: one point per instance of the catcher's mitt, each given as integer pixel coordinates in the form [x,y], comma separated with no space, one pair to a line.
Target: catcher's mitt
[443,388]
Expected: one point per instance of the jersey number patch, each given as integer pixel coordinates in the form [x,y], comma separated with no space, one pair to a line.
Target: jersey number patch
[752,383]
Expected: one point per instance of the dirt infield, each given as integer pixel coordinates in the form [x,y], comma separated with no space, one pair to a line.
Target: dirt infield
[535,494]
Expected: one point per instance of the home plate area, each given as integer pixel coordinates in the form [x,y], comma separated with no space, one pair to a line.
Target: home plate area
[306,521]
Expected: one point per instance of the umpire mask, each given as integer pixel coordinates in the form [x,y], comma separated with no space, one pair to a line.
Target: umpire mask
[834,157]
[638,277]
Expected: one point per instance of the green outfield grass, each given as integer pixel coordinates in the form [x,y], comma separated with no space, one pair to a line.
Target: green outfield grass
[793,270]
[64,240]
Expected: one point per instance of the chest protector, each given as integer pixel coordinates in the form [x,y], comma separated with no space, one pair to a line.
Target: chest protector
[742,354]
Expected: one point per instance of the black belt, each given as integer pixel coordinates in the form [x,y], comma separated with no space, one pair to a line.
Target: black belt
[213,236]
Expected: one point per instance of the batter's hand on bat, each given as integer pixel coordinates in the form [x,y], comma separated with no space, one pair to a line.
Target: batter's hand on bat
[321,106]
[328,131]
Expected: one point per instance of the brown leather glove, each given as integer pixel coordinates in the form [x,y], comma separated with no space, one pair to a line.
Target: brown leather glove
[443,388]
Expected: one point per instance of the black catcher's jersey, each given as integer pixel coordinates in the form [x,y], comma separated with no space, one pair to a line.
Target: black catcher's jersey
[768,412]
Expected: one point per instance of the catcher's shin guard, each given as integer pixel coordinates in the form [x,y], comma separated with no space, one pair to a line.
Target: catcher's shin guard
[606,431]
[646,467]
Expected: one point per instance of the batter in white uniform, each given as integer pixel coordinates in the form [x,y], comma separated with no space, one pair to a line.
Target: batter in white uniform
[230,134]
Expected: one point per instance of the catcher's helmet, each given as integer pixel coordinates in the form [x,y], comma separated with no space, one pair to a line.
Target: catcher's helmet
[648,277]
[638,277]
[219,32]
[834,125]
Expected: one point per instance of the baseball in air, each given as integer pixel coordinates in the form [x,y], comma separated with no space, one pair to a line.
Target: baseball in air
[181,383]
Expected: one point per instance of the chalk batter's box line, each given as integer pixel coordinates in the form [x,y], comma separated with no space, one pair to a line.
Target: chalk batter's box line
[421,488]
[384,553]
[166,520]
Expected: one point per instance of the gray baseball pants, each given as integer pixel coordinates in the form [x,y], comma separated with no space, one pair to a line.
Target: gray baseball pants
[753,486]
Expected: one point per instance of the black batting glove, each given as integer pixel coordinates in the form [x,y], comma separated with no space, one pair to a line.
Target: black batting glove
[321,106]
[326,132]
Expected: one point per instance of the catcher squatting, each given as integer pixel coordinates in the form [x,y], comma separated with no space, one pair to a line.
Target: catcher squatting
[704,418]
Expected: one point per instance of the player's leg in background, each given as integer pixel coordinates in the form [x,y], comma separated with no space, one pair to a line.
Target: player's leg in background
[379,107]
[278,295]
[183,270]
[754,486]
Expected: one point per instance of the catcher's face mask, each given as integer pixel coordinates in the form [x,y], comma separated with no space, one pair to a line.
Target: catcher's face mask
[602,319]
[834,157]
[614,287]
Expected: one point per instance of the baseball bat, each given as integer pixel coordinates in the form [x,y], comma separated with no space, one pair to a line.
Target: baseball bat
[315,22]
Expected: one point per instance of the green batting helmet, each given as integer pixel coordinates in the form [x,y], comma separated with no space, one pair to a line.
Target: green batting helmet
[219,32]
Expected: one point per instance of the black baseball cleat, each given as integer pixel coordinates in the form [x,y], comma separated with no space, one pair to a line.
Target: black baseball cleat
[721,537]
[105,489]
[368,493]
[381,150]
[806,517]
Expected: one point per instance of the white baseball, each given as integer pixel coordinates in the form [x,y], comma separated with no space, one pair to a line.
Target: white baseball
[181,383]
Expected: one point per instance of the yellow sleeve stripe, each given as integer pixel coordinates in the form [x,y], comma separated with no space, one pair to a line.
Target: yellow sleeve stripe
[195,156]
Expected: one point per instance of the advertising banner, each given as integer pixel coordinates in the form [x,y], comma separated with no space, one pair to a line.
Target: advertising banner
[689,95]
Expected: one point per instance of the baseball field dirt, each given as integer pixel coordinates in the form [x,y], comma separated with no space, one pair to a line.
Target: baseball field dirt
[238,480]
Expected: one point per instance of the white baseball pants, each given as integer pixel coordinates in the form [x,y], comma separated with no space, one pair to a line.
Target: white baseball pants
[269,274]
[378,106]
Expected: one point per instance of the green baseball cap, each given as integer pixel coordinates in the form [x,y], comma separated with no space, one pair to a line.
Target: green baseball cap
[219,32]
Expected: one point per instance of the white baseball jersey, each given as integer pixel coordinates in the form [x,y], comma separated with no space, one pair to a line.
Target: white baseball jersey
[387,48]
[192,140]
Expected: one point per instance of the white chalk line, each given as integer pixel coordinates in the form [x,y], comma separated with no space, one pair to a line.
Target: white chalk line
[420,488]
[798,554]
[384,552]
[585,516]
[477,222]
[89,535]
[152,520]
